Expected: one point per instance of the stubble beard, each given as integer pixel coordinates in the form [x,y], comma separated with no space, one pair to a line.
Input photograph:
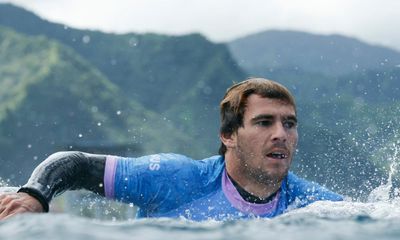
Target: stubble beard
[255,173]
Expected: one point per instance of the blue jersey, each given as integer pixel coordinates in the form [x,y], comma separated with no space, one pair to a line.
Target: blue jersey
[172,185]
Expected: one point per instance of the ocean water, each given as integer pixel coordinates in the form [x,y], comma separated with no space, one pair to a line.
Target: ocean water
[322,220]
[377,219]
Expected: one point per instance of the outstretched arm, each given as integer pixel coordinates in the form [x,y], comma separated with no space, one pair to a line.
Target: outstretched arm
[59,172]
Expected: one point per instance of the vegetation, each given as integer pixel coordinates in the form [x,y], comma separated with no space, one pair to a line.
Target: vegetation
[61,86]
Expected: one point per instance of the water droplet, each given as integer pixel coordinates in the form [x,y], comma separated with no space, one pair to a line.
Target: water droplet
[133,42]
[86,39]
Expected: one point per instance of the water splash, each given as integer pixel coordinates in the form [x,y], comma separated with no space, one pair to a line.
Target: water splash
[4,182]
[5,186]
[387,192]
[89,205]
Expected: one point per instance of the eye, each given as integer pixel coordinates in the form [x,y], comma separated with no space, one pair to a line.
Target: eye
[289,124]
[264,123]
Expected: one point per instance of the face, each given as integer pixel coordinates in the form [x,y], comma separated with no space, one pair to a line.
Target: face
[263,148]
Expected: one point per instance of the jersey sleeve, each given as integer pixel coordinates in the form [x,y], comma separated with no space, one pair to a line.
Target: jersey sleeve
[153,182]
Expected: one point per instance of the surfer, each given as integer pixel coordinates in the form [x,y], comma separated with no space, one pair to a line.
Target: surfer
[249,178]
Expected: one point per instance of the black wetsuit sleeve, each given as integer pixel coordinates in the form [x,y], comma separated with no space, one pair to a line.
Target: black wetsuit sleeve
[63,171]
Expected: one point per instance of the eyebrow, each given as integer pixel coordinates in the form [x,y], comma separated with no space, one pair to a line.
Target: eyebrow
[269,117]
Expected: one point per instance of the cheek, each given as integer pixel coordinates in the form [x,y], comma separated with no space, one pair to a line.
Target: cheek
[251,135]
[293,139]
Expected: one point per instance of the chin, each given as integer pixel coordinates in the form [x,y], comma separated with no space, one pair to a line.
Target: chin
[278,175]
[270,176]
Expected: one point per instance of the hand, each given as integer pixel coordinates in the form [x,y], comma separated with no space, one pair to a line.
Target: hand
[15,203]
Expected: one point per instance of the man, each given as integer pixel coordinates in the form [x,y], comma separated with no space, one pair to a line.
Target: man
[250,177]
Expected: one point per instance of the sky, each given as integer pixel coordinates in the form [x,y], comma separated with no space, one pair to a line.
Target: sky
[372,21]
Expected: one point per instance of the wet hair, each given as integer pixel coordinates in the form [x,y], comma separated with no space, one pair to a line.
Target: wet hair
[232,106]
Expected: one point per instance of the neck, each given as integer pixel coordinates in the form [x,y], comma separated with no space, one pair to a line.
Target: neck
[250,197]
[260,189]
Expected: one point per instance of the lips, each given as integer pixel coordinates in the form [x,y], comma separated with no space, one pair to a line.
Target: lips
[278,154]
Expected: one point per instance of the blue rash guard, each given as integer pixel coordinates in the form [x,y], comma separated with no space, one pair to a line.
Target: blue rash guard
[172,185]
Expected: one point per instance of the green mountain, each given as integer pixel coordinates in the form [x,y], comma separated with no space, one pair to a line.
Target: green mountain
[163,73]
[153,69]
[52,98]
[331,55]
[372,86]
[61,86]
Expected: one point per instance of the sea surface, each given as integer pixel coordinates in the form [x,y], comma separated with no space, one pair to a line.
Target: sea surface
[377,219]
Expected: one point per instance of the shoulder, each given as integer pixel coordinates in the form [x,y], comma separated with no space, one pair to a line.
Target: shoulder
[172,163]
[161,182]
[302,192]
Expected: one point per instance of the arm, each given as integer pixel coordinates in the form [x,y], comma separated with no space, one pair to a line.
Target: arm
[59,172]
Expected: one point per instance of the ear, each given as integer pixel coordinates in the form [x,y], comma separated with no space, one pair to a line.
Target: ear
[228,139]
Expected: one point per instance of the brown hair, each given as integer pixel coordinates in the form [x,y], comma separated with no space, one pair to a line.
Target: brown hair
[233,104]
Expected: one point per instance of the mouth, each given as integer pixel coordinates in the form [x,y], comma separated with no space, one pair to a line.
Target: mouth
[278,155]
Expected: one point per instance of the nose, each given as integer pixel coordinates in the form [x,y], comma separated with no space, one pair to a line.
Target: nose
[279,133]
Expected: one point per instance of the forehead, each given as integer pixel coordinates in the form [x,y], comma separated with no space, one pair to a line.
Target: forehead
[257,105]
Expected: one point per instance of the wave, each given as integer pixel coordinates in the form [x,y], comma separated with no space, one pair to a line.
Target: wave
[321,220]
